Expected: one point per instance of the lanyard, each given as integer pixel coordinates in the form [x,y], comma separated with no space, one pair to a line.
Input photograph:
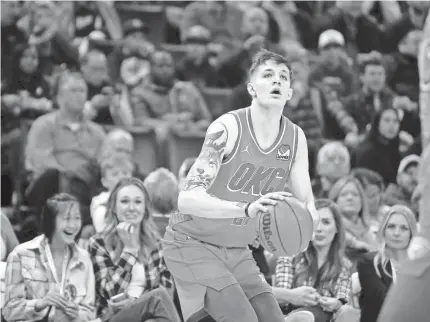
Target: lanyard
[54,270]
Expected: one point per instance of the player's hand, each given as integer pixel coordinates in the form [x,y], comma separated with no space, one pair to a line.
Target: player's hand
[129,235]
[304,296]
[270,199]
[329,304]
[418,247]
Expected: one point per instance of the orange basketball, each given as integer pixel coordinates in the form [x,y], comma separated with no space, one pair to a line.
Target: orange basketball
[286,229]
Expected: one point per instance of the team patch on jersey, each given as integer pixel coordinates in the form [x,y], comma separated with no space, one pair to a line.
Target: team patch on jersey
[283,153]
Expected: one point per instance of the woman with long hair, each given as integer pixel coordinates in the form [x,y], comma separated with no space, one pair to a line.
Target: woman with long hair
[317,280]
[132,282]
[378,270]
[379,151]
[349,195]
[51,278]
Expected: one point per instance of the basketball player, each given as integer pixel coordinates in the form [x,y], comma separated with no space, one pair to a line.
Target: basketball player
[409,298]
[248,158]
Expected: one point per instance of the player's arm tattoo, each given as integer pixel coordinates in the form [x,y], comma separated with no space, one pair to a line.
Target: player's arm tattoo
[208,163]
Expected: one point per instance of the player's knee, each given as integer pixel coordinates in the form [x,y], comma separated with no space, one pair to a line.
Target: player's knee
[229,304]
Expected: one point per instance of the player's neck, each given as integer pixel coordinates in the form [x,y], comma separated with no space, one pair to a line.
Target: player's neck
[264,117]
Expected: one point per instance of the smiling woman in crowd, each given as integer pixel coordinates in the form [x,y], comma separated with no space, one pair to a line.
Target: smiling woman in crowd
[318,280]
[132,282]
[50,276]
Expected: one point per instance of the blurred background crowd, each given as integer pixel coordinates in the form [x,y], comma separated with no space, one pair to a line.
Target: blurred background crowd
[94,93]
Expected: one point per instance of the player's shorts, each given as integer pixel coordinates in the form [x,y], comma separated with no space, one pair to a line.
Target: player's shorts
[196,265]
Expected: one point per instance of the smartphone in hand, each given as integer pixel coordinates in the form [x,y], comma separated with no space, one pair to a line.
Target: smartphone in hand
[119,297]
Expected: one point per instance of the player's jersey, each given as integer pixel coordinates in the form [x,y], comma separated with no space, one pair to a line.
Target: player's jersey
[247,173]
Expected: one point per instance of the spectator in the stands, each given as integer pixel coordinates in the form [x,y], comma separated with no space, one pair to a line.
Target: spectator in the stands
[11,37]
[380,149]
[94,69]
[166,98]
[63,148]
[361,34]
[127,258]
[53,45]
[25,96]
[114,167]
[349,195]
[333,72]
[8,242]
[407,180]
[374,187]
[402,66]
[221,18]
[196,66]
[319,279]
[378,270]
[333,162]
[134,44]
[413,19]
[331,79]
[35,290]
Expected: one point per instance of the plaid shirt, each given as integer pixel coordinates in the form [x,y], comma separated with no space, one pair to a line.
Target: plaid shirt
[29,278]
[113,278]
[286,268]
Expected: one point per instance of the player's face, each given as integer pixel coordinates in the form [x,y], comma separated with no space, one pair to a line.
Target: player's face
[272,84]
[326,229]
[130,205]
[397,232]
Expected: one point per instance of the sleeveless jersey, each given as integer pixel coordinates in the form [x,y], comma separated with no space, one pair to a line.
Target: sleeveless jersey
[246,174]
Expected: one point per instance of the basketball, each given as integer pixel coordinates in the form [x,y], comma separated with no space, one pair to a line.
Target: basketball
[286,229]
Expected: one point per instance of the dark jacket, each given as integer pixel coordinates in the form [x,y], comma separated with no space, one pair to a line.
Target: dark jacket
[374,288]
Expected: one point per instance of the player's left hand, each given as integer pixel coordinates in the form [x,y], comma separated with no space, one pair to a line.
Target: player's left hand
[329,304]
[270,199]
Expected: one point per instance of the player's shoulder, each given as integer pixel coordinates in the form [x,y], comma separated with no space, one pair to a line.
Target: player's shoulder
[226,123]
[300,133]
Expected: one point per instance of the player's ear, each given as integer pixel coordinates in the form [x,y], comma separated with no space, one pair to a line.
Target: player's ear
[251,90]
[289,94]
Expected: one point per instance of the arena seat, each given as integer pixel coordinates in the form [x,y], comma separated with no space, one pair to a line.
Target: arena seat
[154,16]
[217,100]
[178,51]
[182,145]
[146,152]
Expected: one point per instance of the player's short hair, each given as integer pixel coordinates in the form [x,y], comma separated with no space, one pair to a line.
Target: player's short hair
[263,56]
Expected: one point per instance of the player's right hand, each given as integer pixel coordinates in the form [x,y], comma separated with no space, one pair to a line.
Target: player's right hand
[129,235]
[270,199]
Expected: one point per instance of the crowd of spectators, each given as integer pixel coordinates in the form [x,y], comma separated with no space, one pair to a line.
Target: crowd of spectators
[104,108]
